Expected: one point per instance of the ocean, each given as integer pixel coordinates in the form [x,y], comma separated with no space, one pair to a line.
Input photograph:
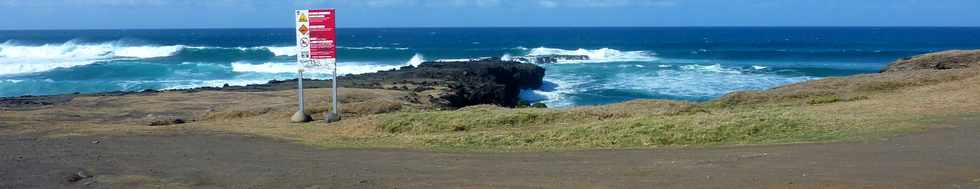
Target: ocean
[676,63]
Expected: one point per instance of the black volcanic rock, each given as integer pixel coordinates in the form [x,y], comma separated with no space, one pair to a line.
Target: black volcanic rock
[483,82]
[455,84]
[447,85]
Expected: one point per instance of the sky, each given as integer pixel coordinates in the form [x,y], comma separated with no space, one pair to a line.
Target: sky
[137,14]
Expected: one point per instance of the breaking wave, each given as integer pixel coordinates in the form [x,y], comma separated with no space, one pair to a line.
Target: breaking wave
[20,59]
[282,50]
[78,51]
[715,68]
[342,69]
[373,48]
[566,85]
[596,55]
[416,60]
[283,67]
[17,59]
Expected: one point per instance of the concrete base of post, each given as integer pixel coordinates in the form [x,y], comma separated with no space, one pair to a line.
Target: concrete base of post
[300,117]
[331,117]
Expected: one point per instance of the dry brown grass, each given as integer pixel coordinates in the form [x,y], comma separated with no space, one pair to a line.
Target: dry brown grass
[636,108]
[126,114]
[954,59]
[844,88]
[828,109]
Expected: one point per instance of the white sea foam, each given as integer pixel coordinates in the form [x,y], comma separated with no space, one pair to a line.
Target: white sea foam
[269,67]
[20,66]
[275,50]
[12,80]
[759,67]
[282,67]
[416,60]
[717,68]
[596,55]
[454,60]
[696,82]
[292,51]
[361,68]
[282,70]
[17,59]
[283,50]
[146,51]
[372,48]
[188,84]
[559,89]
[506,57]
[77,51]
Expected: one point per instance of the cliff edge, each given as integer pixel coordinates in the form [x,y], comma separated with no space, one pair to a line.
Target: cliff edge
[955,59]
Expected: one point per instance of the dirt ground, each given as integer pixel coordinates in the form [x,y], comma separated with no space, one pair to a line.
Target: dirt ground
[947,156]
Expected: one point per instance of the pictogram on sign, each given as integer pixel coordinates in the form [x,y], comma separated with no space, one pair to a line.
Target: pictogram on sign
[303,29]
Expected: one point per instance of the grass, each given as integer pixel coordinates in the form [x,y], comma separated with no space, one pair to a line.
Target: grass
[760,126]
[831,109]
[825,110]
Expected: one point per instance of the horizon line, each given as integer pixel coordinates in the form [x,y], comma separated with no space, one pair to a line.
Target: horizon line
[449,27]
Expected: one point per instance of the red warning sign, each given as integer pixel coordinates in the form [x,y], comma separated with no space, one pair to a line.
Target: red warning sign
[316,38]
[322,34]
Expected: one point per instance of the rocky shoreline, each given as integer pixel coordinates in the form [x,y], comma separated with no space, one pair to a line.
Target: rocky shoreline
[456,84]
[442,85]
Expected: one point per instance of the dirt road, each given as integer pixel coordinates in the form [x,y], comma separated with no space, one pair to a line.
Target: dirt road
[947,157]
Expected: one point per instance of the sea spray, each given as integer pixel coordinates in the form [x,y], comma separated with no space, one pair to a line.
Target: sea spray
[506,57]
[602,55]
[416,60]
[283,51]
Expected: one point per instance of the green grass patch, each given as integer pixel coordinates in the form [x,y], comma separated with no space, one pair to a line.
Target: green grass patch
[543,129]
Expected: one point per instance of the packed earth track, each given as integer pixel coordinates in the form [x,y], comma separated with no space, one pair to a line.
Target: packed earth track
[944,156]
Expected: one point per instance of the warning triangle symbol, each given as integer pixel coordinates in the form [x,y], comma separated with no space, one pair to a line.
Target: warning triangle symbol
[302,17]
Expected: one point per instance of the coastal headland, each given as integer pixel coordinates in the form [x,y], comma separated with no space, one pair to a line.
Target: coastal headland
[858,131]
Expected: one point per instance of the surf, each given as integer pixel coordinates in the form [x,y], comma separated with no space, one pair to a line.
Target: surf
[600,55]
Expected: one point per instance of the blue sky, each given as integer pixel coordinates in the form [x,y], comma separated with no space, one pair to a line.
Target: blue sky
[114,14]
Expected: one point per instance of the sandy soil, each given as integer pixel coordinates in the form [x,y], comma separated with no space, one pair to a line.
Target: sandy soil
[947,156]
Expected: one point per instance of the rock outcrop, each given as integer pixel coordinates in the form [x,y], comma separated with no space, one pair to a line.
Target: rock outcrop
[446,85]
[956,59]
[443,85]
[456,84]
[548,59]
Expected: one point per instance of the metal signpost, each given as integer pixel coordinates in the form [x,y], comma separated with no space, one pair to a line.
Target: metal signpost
[317,50]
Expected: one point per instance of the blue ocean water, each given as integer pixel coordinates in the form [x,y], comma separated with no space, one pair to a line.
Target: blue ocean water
[680,63]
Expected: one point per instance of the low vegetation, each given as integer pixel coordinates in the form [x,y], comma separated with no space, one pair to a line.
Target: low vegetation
[829,109]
